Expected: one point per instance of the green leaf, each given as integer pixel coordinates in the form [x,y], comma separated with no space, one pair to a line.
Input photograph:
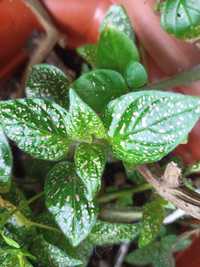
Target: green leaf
[51,255]
[136,75]
[98,87]
[158,254]
[47,81]
[6,162]
[89,163]
[104,233]
[115,50]
[88,53]
[78,254]
[82,122]
[9,241]
[145,126]
[153,216]
[181,18]
[37,126]
[66,201]
[13,258]
[117,17]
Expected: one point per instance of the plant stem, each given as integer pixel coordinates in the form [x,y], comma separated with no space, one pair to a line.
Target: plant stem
[120,215]
[34,198]
[43,226]
[128,191]
[182,79]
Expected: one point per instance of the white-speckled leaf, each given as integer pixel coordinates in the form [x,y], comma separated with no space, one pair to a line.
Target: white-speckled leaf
[37,126]
[52,255]
[116,16]
[104,233]
[82,122]
[144,127]
[89,162]
[153,216]
[47,81]
[6,162]
[66,201]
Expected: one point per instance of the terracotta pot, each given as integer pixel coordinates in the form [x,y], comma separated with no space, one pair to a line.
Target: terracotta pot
[80,21]
[17,23]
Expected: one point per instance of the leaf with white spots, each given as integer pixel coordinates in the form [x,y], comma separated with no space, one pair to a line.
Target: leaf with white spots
[104,233]
[98,87]
[89,53]
[37,126]
[66,201]
[50,254]
[5,164]
[117,17]
[153,216]
[82,122]
[47,81]
[181,18]
[115,50]
[145,126]
[89,162]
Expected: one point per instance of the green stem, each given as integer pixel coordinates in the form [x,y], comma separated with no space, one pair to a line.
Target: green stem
[182,79]
[128,191]
[120,215]
[34,198]
[43,226]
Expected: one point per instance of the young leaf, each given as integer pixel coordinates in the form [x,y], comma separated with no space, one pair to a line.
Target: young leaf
[98,87]
[145,126]
[82,122]
[5,164]
[47,81]
[181,18]
[66,201]
[9,241]
[104,233]
[158,254]
[153,216]
[89,163]
[115,50]
[89,53]
[136,75]
[37,126]
[117,17]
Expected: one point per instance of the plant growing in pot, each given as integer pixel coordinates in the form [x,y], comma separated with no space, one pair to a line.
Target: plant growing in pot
[73,131]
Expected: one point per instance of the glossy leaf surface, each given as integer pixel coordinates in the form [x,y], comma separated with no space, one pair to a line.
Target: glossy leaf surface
[98,87]
[181,18]
[89,163]
[136,75]
[145,126]
[117,17]
[66,201]
[37,126]
[47,81]
[115,50]
[104,233]
[82,122]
